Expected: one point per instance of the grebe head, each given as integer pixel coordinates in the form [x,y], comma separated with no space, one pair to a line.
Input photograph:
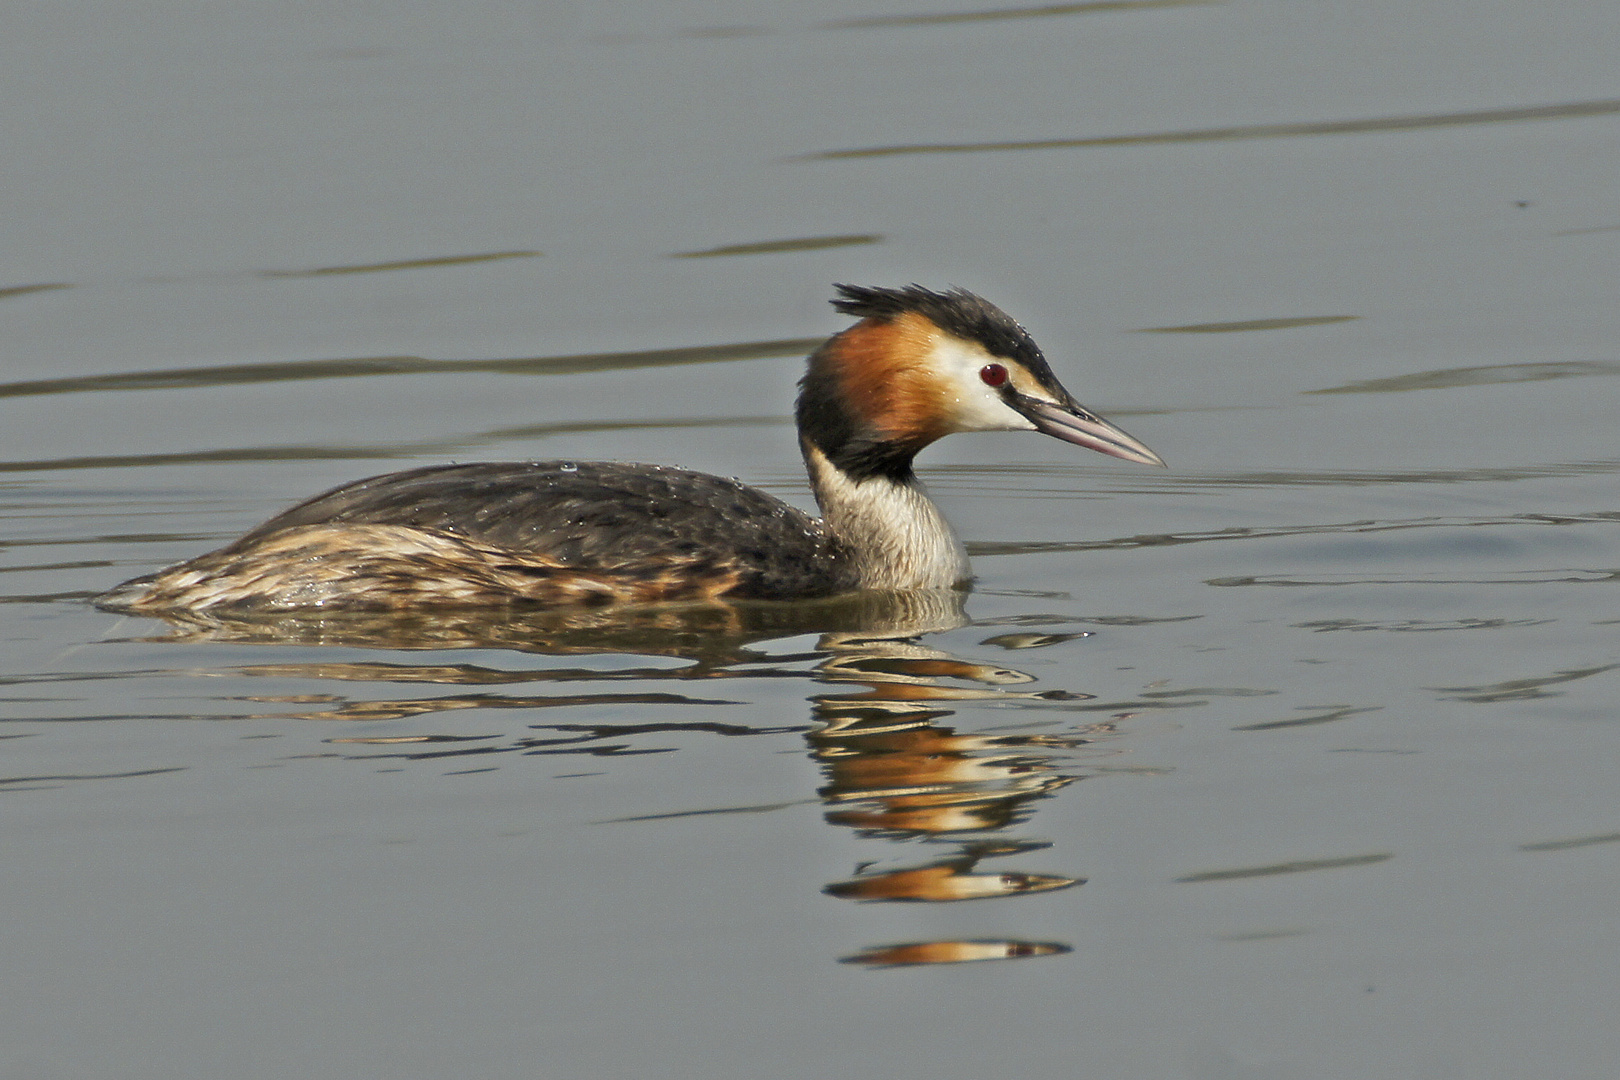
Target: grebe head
[920,365]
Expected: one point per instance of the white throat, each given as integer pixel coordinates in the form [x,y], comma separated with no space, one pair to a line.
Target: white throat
[899,538]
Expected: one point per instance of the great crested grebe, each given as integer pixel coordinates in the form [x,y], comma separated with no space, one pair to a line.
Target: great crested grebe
[918,365]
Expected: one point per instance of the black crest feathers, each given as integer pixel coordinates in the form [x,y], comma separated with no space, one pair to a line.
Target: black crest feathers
[957,312]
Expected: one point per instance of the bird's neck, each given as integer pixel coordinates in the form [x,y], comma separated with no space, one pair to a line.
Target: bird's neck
[860,467]
[897,538]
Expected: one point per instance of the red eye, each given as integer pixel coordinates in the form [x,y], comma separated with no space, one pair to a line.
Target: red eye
[993,375]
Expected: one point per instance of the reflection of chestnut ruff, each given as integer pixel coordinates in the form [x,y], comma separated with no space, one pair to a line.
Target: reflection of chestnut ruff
[950,879]
[953,952]
[893,773]
[890,770]
[930,780]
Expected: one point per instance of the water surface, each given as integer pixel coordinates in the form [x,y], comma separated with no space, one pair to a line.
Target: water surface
[1292,760]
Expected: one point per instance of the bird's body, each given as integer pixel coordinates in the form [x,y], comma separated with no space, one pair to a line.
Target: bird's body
[550,532]
[917,366]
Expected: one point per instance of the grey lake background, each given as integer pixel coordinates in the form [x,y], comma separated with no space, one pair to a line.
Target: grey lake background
[1323,717]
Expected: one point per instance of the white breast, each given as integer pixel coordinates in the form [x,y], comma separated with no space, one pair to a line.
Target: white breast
[899,537]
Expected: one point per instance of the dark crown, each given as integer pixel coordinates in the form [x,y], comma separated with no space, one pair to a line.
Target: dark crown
[957,312]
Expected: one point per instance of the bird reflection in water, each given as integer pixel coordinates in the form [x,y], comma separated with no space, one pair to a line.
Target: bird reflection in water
[912,953]
[894,773]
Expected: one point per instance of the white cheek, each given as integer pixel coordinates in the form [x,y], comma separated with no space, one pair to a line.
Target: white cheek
[977,407]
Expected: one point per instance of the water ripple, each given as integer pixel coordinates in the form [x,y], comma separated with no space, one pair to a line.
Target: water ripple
[994,14]
[367,366]
[1566,111]
[1487,375]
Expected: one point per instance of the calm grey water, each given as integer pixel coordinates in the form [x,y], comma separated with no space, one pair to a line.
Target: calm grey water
[1297,760]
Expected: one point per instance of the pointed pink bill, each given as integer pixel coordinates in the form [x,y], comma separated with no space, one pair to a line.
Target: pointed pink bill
[1073,424]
